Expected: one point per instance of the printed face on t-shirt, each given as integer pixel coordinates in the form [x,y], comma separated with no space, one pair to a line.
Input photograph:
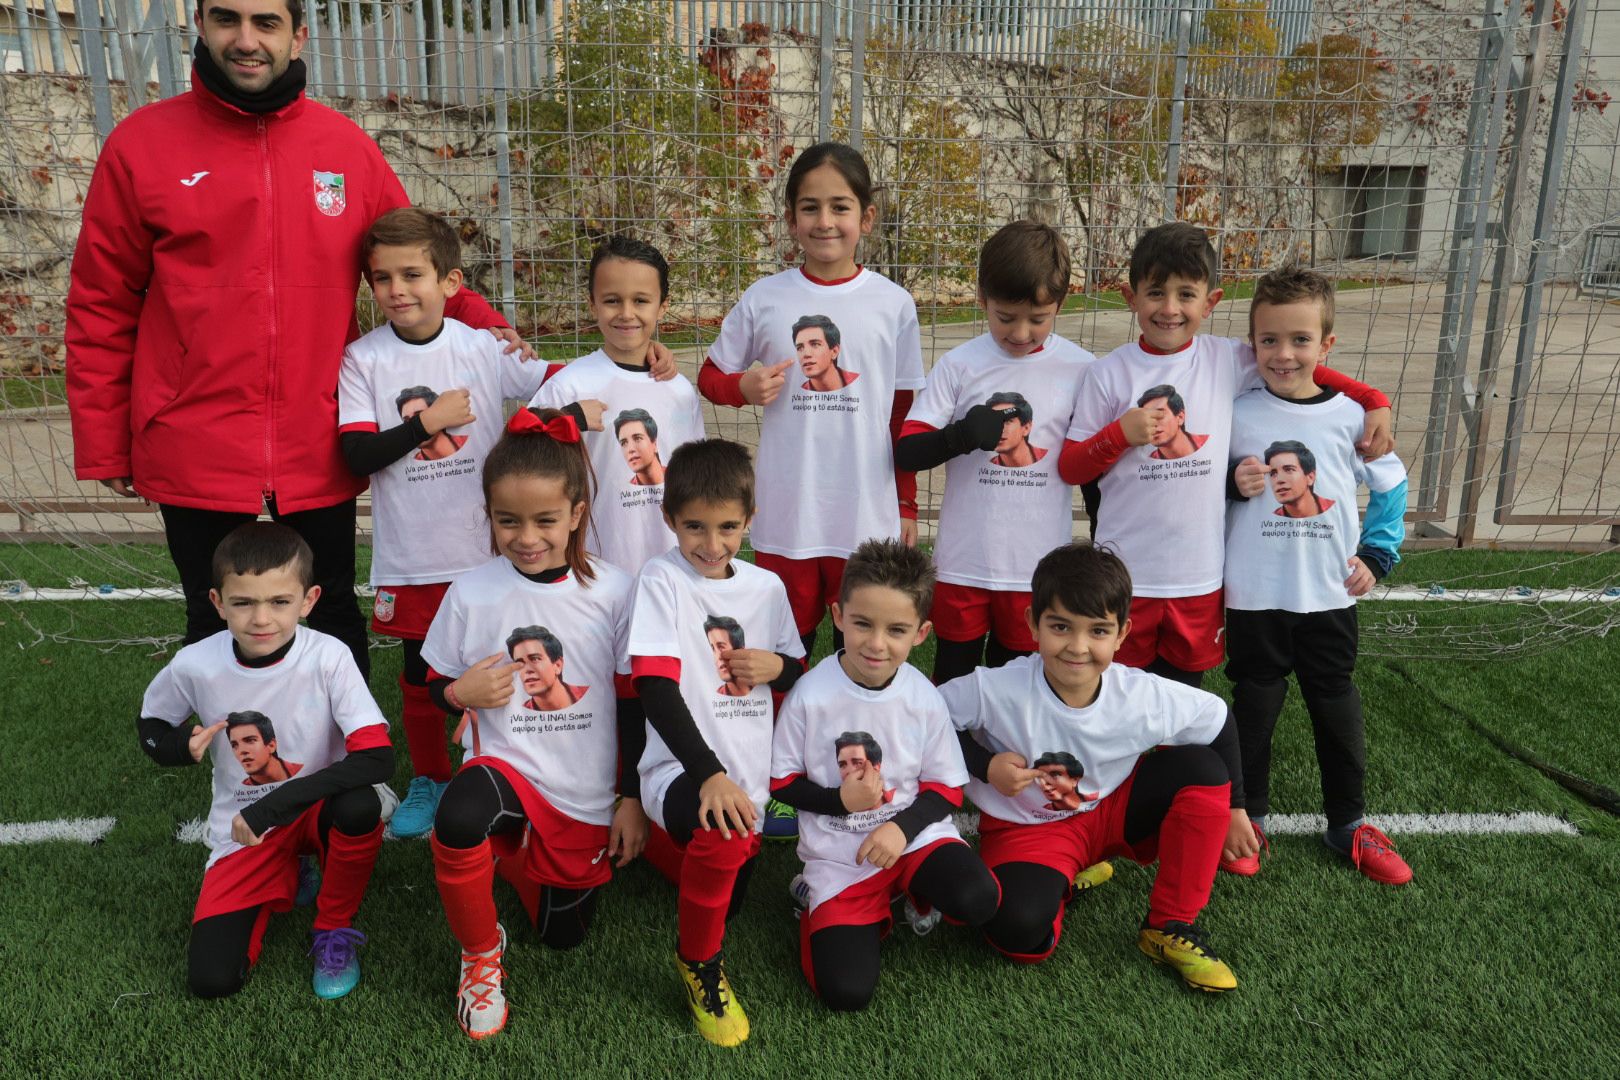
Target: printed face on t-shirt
[1061,789]
[440,444]
[640,449]
[251,750]
[852,761]
[1014,434]
[817,359]
[262,610]
[1293,487]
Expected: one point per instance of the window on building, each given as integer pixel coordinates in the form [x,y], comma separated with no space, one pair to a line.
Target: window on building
[1384,205]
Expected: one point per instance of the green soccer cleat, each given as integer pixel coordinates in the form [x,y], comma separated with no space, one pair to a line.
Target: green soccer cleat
[715,1010]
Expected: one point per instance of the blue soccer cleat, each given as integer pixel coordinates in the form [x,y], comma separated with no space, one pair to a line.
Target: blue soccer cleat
[337,961]
[415,815]
[781,821]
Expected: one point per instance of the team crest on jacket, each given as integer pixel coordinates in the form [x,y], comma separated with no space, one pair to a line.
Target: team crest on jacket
[329,197]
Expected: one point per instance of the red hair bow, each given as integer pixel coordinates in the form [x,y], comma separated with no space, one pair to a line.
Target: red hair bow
[562,428]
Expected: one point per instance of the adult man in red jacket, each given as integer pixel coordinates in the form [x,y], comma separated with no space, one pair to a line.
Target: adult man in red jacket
[212,294]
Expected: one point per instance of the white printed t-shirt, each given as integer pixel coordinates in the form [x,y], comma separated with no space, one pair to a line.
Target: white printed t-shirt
[570,752]
[826,457]
[1275,558]
[627,513]
[428,515]
[1166,516]
[1013,708]
[1000,517]
[313,697]
[908,722]
[681,615]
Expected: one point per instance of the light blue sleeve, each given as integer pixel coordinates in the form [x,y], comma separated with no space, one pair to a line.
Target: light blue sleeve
[1384,526]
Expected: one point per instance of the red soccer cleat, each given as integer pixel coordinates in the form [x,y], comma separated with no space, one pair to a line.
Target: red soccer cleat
[1374,855]
[1249,865]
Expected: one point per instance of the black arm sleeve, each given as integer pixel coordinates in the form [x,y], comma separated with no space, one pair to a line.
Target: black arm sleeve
[366,452]
[165,743]
[436,687]
[577,411]
[929,449]
[1226,744]
[805,794]
[360,768]
[669,716]
[927,808]
[1379,561]
[792,668]
[976,754]
[632,741]
[1232,492]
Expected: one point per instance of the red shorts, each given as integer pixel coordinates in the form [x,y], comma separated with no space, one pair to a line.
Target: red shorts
[967,612]
[1184,630]
[406,611]
[263,875]
[812,584]
[1068,845]
[868,900]
[556,849]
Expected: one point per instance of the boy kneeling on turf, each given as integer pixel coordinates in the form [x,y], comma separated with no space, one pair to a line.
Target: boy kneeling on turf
[865,751]
[297,743]
[1076,759]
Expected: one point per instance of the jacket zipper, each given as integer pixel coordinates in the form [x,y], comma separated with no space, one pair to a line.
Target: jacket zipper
[270,356]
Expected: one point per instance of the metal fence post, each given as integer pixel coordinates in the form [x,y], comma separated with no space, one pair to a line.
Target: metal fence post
[857,71]
[87,14]
[1542,256]
[1178,109]
[25,34]
[829,38]
[503,157]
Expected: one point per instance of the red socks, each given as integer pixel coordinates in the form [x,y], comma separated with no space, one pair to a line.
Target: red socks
[466,879]
[424,733]
[1190,841]
[708,876]
[344,876]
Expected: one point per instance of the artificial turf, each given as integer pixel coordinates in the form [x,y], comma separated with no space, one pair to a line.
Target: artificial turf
[1495,961]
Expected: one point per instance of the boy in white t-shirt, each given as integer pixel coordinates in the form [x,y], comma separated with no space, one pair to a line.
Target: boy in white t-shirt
[712,639]
[643,420]
[992,413]
[1075,759]
[866,752]
[1152,425]
[419,407]
[297,744]
[1296,561]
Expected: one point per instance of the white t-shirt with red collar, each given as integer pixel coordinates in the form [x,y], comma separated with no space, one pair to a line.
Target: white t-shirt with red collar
[908,723]
[1013,708]
[313,698]
[1164,515]
[826,457]
[569,753]
[627,512]
[1003,511]
[679,617]
[427,508]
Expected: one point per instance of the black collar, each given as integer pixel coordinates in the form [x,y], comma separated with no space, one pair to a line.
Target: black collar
[278,95]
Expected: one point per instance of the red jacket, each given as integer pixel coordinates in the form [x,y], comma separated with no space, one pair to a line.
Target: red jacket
[212,293]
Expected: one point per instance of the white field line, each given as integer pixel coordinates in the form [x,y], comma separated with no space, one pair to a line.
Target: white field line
[1437,594]
[1524,823]
[81,830]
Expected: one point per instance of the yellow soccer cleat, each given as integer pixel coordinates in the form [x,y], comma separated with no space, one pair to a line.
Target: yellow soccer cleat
[1182,947]
[715,1009]
[1093,875]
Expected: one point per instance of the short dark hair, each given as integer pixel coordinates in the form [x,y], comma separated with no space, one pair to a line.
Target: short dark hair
[1177,248]
[846,159]
[548,641]
[411,393]
[261,546]
[251,718]
[534,453]
[708,470]
[1166,391]
[1021,406]
[862,739]
[630,250]
[1025,262]
[822,323]
[1307,460]
[636,416]
[731,626]
[893,565]
[1089,581]
[295,10]
[1291,285]
[411,226]
[1064,760]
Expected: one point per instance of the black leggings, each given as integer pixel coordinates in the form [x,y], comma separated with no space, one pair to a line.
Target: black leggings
[953,659]
[415,668]
[480,803]
[1032,894]
[217,961]
[845,958]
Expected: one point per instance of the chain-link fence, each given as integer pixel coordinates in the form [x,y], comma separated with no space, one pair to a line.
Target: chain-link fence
[1452,162]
